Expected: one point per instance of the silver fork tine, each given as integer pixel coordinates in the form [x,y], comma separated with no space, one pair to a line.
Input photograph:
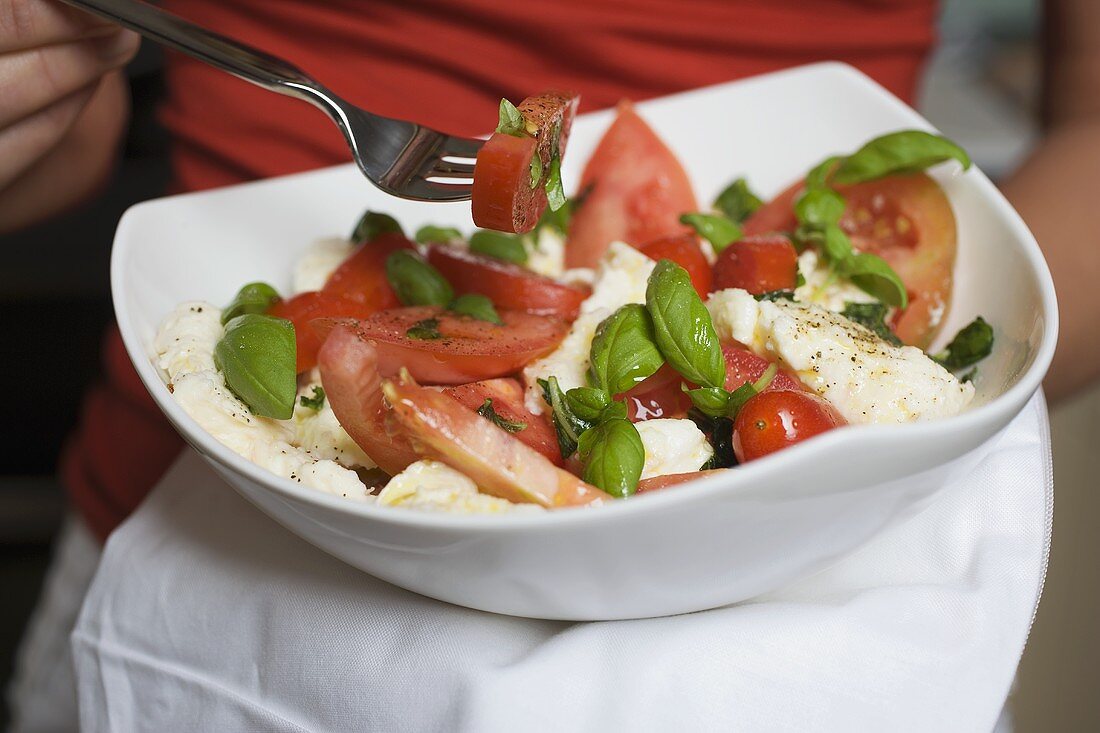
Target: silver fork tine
[395,155]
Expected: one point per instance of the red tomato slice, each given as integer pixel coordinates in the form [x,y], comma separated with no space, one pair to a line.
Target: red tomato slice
[775,419]
[303,308]
[758,264]
[507,285]
[507,397]
[362,276]
[468,350]
[673,479]
[684,250]
[503,197]
[633,188]
[744,366]
[906,220]
[658,395]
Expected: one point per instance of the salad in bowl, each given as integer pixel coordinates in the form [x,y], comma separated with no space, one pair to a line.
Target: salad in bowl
[626,341]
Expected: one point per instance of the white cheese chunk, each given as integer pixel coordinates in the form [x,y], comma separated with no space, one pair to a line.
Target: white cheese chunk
[546,252]
[318,262]
[320,433]
[672,446]
[822,288]
[431,485]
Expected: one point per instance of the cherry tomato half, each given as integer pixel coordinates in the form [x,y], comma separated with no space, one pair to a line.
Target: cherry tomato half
[757,264]
[775,419]
[658,395]
[744,366]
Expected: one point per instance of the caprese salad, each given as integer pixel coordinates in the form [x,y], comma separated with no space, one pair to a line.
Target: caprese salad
[629,339]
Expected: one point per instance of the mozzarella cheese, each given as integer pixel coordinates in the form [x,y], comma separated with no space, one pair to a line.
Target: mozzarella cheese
[865,378]
[320,433]
[822,288]
[672,446]
[318,262]
[435,486]
[621,278]
[546,252]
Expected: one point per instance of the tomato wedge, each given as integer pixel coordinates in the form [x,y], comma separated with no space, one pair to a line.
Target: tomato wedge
[633,190]
[658,395]
[303,308]
[503,197]
[506,284]
[673,479]
[908,221]
[758,264]
[744,366]
[776,419]
[362,276]
[684,250]
[507,397]
[466,349]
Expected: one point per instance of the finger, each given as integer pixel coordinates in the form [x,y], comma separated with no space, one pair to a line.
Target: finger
[30,23]
[23,143]
[32,80]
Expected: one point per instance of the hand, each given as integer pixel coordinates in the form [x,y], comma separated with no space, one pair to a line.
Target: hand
[53,64]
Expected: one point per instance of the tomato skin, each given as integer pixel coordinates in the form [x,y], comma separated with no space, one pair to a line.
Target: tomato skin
[362,276]
[776,419]
[758,264]
[507,285]
[684,250]
[306,307]
[658,395]
[469,350]
[507,397]
[744,366]
[633,188]
[674,479]
[503,197]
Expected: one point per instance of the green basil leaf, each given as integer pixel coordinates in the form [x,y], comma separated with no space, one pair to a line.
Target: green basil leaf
[623,350]
[373,223]
[415,281]
[430,233]
[719,432]
[588,403]
[488,412]
[615,410]
[711,401]
[871,274]
[737,201]
[819,207]
[907,151]
[536,171]
[718,230]
[774,295]
[871,316]
[476,306]
[555,194]
[557,221]
[613,456]
[511,120]
[316,402]
[569,426]
[252,298]
[970,345]
[818,177]
[969,376]
[425,330]
[682,327]
[507,247]
[836,245]
[257,355]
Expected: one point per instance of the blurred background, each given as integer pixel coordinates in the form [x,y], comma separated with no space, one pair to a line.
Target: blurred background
[981,89]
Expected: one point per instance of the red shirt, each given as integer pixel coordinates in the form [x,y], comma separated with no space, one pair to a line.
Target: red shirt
[447,63]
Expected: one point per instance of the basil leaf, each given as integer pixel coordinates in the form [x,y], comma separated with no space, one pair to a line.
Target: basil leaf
[415,281]
[835,244]
[316,402]
[257,355]
[252,298]
[476,306]
[774,295]
[748,390]
[718,230]
[555,194]
[430,233]
[373,223]
[489,413]
[557,221]
[425,330]
[682,327]
[969,376]
[536,171]
[623,350]
[613,456]
[819,207]
[907,151]
[499,245]
[511,120]
[871,316]
[818,177]
[587,403]
[615,410]
[737,201]
[871,274]
[711,401]
[569,426]
[970,345]
[719,432]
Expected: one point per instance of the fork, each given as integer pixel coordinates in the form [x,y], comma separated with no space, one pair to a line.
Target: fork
[401,158]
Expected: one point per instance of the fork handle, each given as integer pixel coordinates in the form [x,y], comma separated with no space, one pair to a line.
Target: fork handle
[232,56]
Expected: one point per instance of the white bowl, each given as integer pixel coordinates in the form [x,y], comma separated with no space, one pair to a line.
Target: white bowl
[698,546]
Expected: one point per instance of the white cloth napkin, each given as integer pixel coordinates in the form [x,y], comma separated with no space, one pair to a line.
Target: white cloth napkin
[207,615]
